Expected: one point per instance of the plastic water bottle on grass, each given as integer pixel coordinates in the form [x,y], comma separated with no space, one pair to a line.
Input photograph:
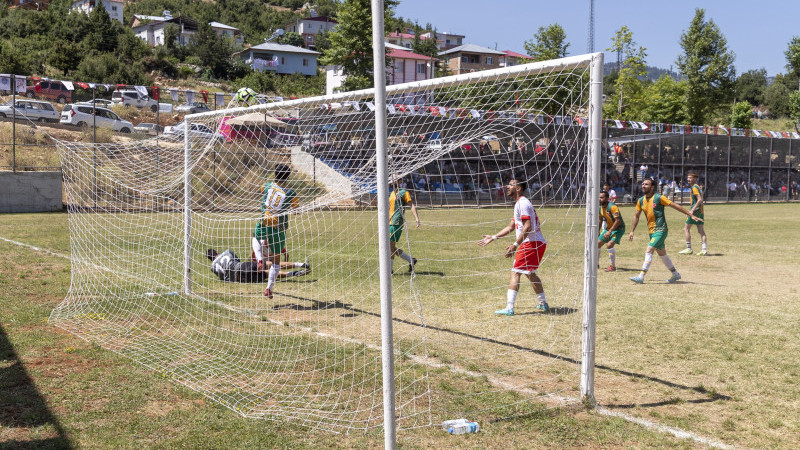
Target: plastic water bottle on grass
[447,424]
[465,428]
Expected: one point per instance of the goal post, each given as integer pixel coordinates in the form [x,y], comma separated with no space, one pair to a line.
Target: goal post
[147,216]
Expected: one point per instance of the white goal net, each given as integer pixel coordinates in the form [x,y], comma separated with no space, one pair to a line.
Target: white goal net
[167,275]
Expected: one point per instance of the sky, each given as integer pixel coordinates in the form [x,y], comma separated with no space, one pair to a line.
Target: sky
[758,32]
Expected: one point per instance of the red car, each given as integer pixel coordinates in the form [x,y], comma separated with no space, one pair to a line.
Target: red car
[50,90]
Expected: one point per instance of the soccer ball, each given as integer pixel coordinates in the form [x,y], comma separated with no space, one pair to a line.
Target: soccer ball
[245,95]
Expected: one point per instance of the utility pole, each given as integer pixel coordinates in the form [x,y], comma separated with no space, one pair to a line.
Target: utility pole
[590,44]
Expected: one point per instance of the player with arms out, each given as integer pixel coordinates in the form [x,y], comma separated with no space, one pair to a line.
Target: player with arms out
[228,267]
[528,248]
[398,200]
[697,210]
[269,238]
[613,231]
[653,206]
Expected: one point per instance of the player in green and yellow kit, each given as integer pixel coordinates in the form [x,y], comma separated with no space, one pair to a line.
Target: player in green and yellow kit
[398,200]
[270,234]
[697,210]
[653,206]
[614,229]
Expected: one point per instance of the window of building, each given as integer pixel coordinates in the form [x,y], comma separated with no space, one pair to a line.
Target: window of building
[464,59]
[475,59]
[420,67]
[489,60]
[283,60]
[113,8]
[305,61]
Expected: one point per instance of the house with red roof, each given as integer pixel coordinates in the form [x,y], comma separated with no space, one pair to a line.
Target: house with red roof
[514,59]
[406,67]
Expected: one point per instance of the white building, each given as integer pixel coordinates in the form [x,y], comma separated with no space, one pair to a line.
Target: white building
[309,27]
[406,66]
[113,7]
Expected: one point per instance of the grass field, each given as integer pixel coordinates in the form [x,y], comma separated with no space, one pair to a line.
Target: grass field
[714,355]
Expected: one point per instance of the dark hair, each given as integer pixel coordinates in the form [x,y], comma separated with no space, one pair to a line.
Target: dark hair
[650,179]
[211,254]
[282,172]
[522,183]
[692,172]
[604,192]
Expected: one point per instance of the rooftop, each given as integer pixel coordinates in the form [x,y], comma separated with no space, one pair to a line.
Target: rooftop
[471,48]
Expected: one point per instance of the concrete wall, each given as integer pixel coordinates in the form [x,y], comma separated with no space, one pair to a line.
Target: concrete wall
[24,192]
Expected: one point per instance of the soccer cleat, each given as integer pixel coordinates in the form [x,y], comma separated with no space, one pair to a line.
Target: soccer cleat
[675,277]
[505,312]
[638,279]
[702,253]
[268,293]
[306,264]
[543,307]
[412,264]
[686,251]
[611,268]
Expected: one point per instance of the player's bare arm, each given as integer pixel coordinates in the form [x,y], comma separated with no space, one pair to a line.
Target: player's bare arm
[489,238]
[526,228]
[414,212]
[635,222]
[684,211]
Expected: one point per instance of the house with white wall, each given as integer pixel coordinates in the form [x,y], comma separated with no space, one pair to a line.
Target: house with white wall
[445,41]
[113,7]
[280,58]
[310,27]
[406,66]
[228,32]
[151,29]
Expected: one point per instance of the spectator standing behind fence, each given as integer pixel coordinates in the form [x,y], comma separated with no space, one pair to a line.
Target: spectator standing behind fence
[732,189]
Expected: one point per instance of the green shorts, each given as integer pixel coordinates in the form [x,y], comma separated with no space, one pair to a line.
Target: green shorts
[616,236]
[275,238]
[691,221]
[394,232]
[658,239]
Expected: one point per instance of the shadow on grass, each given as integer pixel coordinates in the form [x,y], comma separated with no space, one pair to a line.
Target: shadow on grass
[710,396]
[21,404]
[421,273]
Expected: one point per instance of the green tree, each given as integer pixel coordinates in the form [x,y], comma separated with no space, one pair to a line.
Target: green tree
[742,115]
[351,42]
[548,43]
[13,61]
[322,42]
[212,50]
[794,109]
[65,56]
[793,56]
[628,95]
[102,37]
[664,101]
[707,65]
[750,86]
[292,38]
[776,98]
[425,47]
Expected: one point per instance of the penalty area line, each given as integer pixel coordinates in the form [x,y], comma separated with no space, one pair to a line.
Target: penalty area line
[430,362]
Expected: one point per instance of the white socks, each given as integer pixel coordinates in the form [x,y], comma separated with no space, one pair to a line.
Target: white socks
[542,299]
[299,264]
[667,262]
[403,255]
[648,259]
[511,297]
[273,274]
[705,246]
[612,255]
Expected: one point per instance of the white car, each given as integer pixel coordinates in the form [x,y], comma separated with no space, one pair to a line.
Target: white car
[31,110]
[99,102]
[197,130]
[149,128]
[134,98]
[81,115]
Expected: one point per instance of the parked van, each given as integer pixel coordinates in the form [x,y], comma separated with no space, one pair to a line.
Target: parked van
[50,90]
[31,110]
[134,98]
[81,115]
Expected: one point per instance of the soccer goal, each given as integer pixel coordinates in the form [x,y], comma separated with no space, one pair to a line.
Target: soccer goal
[152,222]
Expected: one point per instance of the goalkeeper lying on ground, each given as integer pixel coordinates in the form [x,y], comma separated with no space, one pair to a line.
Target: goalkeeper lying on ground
[228,267]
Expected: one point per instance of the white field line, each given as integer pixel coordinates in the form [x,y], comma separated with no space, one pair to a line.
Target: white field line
[434,363]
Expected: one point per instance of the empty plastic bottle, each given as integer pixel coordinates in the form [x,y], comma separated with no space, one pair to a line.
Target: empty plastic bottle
[447,424]
[464,428]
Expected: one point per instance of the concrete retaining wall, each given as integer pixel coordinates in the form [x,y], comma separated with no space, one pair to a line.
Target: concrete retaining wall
[24,192]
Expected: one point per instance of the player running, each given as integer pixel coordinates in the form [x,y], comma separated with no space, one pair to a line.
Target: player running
[614,229]
[269,238]
[697,210]
[398,200]
[653,206]
[228,267]
[529,247]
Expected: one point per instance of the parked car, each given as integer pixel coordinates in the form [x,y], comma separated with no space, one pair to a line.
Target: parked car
[81,115]
[31,110]
[197,130]
[149,128]
[99,102]
[50,90]
[192,108]
[134,98]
